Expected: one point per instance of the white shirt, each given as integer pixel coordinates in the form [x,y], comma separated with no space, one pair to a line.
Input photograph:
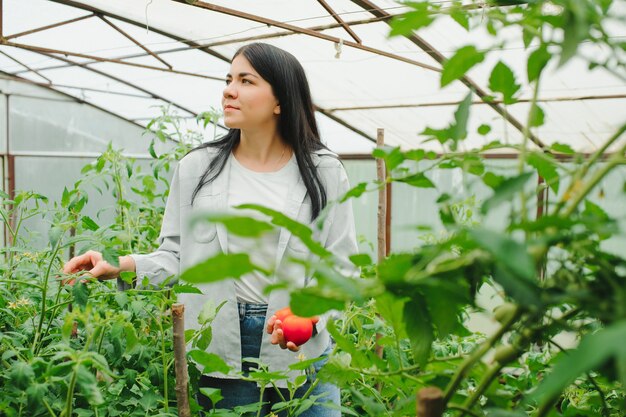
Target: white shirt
[268,189]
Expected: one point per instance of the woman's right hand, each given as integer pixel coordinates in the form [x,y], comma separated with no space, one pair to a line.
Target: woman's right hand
[93,263]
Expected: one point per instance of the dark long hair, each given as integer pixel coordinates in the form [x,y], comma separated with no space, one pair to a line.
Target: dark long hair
[296,123]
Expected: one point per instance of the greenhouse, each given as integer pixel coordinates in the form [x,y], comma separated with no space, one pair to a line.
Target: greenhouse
[433,226]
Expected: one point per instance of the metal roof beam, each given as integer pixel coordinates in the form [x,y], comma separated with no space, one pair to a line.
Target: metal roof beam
[456,103]
[26,66]
[33,48]
[136,42]
[439,57]
[304,31]
[340,20]
[52,26]
[95,10]
[119,80]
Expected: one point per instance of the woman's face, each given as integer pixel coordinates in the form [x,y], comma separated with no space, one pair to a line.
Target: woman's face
[248,100]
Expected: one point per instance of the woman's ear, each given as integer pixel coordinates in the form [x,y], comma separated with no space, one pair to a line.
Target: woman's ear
[277,109]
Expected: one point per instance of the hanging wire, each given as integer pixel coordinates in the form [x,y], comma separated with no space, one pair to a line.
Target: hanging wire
[147,23]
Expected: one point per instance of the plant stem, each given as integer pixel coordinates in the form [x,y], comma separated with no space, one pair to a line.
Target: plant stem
[477,354]
[70,392]
[587,166]
[43,297]
[616,159]
[488,378]
[16,281]
[463,409]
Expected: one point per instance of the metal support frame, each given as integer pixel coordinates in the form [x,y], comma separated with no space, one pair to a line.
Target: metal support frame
[439,57]
[339,20]
[136,42]
[303,31]
[100,59]
[478,102]
[27,67]
[54,25]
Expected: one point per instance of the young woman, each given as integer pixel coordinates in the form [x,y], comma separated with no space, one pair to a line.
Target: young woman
[273,156]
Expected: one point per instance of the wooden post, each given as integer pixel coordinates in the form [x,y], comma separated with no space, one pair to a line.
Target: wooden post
[430,402]
[180,360]
[381,175]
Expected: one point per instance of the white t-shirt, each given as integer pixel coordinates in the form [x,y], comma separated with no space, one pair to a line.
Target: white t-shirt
[269,189]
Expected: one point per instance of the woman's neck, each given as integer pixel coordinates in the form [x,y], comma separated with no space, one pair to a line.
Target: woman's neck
[262,152]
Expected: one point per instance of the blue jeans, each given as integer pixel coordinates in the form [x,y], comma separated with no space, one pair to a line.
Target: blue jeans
[237,392]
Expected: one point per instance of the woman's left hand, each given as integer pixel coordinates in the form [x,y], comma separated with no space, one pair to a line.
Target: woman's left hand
[274,327]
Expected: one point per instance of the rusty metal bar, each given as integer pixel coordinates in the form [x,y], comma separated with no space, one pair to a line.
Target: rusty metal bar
[96,10]
[81,101]
[304,31]
[232,41]
[55,25]
[439,57]
[26,66]
[344,124]
[136,42]
[100,59]
[340,20]
[119,80]
[456,103]
[95,90]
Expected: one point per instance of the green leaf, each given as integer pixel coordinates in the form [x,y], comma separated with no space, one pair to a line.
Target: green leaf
[593,351]
[392,156]
[461,116]
[21,374]
[502,80]
[54,235]
[237,224]
[392,310]
[483,129]
[307,302]
[186,289]
[492,180]
[206,336]
[506,251]
[36,393]
[65,198]
[355,191]
[210,361]
[128,276]
[505,191]
[418,180]
[546,168]
[361,260]
[220,267]
[419,329]
[461,62]
[213,394]
[80,292]
[410,21]
[562,148]
[537,61]
[208,312]
[461,17]
[537,116]
[112,256]
[131,337]
[514,267]
[88,386]
[89,224]
[303,232]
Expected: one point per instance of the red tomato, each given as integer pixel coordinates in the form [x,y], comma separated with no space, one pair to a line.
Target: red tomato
[297,329]
[283,313]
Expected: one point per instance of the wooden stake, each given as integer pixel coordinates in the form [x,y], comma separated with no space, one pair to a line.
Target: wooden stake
[381,175]
[430,402]
[180,360]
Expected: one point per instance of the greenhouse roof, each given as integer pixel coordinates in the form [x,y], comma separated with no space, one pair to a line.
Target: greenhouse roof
[131,57]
